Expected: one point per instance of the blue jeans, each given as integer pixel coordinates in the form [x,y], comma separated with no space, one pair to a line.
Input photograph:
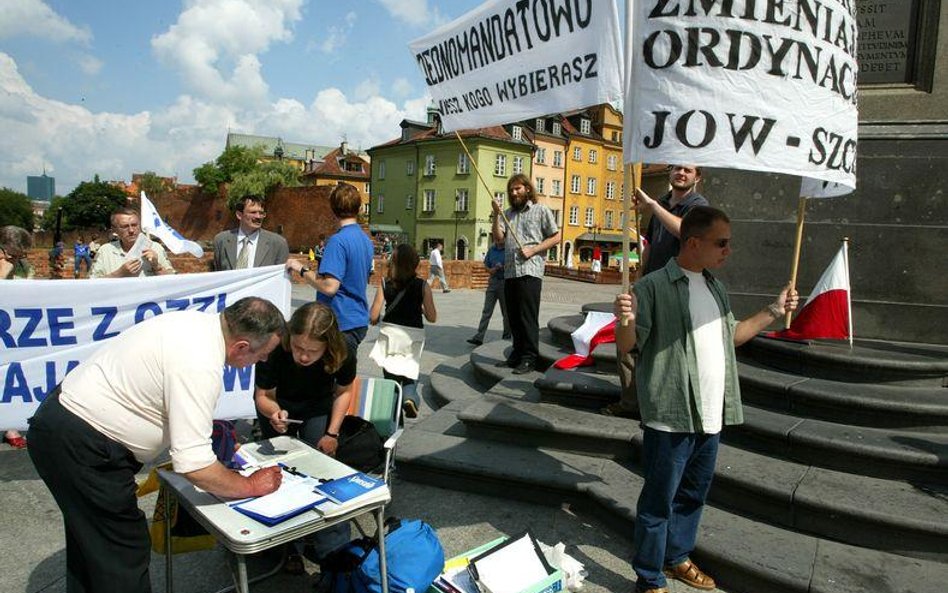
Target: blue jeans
[678,469]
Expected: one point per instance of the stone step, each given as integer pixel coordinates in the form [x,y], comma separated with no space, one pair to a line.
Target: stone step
[896,453]
[743,555]
[869,512]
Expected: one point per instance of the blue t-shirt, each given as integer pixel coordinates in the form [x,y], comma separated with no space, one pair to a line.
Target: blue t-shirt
[495,255]
[348,258]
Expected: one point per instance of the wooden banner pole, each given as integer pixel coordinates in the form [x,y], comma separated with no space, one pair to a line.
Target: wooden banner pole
[797,248]
[488,188]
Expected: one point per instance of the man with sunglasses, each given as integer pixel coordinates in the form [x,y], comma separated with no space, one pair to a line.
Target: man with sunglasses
[679,318]
[661,244]
[249,245]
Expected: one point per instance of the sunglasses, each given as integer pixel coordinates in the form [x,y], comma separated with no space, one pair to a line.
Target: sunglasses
[719,243]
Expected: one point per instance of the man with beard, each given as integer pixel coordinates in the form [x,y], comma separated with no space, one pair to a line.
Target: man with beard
[662,244]
[535,227]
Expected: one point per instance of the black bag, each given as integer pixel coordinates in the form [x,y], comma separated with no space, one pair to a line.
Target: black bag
[360,445]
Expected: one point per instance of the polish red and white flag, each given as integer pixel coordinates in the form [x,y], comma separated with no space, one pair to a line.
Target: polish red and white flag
[827,311]
[599,328]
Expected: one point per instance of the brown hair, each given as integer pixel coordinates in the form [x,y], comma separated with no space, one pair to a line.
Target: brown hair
[345,201]
[401,270]
[242,202]
[124,211]
[699,221]
[317,322]
[525,181]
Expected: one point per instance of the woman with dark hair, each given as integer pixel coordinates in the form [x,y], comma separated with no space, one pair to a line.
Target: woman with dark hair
[407,298]
[304,388]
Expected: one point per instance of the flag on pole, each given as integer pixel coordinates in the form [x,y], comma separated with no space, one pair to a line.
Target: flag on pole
[817,188]
[154,225]
[827,311]
[599,328]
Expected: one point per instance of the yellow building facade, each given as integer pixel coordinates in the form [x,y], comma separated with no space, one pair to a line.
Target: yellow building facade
[549,168]
[583,186]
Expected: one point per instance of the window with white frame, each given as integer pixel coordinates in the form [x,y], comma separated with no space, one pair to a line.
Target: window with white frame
[590,186]
[500,197]
[460,200]
[541,156]
[577,154]
[409,167]
[610,190]
[429,204]
[518,164]
[593,155]
[409,202]
[541,124]
[557,128]
[574,184]
[516,132]
[574,215]
[464,163]
[585,127]
[557,158]
[430,165]
[590,217]
[540,185]
[380,203]
[500,165]
[367,186]
[611,162]
[556,217]
[557,188]
[381,169]
[608,219]
[366,208]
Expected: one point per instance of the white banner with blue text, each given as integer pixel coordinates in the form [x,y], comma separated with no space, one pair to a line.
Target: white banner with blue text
[760,86]
[48,327]
[509,60]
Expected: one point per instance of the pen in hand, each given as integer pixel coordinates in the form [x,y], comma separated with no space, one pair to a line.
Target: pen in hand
[291,421]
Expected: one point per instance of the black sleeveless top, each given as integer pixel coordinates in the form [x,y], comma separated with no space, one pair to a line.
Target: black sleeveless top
[408,310]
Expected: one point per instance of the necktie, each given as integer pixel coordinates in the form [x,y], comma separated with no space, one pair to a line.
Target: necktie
[244,254]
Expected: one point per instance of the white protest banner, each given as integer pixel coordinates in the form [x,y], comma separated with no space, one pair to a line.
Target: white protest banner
[746,84]
[817,188]
[47,327]
[153,224]
[510,60]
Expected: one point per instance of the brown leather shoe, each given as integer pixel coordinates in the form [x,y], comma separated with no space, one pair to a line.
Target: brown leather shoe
[688,572]
[655,590]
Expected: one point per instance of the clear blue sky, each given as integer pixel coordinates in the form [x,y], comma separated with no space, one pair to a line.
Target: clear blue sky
[114,87]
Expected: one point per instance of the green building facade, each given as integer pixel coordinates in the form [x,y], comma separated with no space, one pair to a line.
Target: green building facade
[426,184]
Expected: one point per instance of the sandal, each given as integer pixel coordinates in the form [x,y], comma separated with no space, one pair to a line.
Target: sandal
[410,409]
[688,572]
[294,565]
[17,442]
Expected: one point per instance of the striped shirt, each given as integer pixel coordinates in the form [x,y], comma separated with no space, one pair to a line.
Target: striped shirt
[532,225]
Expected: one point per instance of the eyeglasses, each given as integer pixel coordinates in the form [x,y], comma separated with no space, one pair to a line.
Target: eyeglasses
[257,214]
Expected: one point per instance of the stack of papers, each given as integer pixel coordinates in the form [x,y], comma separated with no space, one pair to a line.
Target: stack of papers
[511,567]
[295,496]
[350,492]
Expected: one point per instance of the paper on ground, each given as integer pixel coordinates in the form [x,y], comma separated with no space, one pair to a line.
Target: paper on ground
[511,568]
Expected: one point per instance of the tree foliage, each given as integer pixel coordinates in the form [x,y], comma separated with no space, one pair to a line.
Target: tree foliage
[15,209]
[89,205]
[150,183]
[234,161]
[263,179]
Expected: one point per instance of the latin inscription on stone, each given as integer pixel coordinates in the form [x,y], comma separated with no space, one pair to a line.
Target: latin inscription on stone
[886,40]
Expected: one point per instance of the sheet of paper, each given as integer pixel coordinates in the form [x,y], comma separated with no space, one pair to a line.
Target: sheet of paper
[266,453]
[295,492]
[141,243]
[511,568]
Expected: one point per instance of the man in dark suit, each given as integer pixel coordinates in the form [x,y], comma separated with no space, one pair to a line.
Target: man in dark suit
[249,246]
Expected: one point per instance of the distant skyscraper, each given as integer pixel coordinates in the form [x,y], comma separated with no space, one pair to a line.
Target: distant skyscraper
[42,187]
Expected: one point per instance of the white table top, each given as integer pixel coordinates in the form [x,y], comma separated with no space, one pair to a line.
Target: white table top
[243,535]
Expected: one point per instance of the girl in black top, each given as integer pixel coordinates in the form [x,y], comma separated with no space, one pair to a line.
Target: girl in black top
[308,379]
[407,298]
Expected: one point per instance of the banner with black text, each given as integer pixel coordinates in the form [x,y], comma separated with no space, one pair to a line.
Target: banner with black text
[510,60]
[47,327]
[761,85]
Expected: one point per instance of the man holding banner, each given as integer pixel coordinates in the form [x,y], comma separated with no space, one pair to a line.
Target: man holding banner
[152,387]
[133,254]
[661,244]
[680,320]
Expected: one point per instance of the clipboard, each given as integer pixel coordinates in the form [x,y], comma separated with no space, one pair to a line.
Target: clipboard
[295,496]
[513,566]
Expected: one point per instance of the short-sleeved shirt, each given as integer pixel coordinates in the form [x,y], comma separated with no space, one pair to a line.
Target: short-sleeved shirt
[348,259]
[663,245]
[495,255]
[532,225]
[111,257]
[155,386]
[666,371]
[303,391]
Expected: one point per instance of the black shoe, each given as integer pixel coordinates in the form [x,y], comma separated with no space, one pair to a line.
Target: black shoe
[475,341]
[446,290]
[507,363]
[505,337]
[523,368]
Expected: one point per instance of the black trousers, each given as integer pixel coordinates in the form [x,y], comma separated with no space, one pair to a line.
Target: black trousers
[523,311]
[92,479]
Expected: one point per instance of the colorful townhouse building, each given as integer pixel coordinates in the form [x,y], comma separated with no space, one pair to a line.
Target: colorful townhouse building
[549,167]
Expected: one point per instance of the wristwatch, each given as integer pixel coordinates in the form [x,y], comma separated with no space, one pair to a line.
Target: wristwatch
[334,435]
[303,271]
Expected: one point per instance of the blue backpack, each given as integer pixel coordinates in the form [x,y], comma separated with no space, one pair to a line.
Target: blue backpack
[413,554]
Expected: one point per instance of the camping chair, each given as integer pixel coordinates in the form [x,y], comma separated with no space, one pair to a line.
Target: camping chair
[379,401]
